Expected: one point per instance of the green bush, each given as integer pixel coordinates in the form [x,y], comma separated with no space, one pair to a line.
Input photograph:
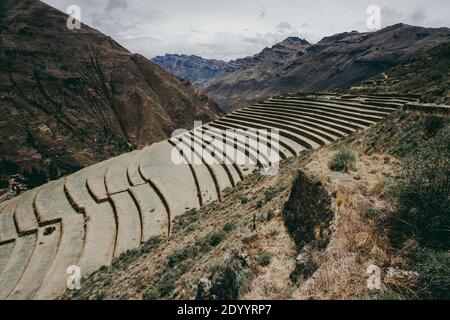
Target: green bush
[211,240]
[229,278]
[152,294]
[215,238]
[273,232]
[265,258]
[243,199]
[228,226]
[421,190]
[271,193]
[181,254]
[186,220]
[343,159]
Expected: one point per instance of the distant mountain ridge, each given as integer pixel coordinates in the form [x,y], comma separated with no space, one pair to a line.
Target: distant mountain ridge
[197,69]
[338,61]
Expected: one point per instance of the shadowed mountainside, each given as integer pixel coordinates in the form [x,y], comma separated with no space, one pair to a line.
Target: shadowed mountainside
[70,98]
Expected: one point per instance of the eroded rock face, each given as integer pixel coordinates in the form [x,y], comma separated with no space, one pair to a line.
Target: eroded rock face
[75,97]
[337,61]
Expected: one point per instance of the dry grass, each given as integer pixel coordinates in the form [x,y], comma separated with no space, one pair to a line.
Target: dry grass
[356,242]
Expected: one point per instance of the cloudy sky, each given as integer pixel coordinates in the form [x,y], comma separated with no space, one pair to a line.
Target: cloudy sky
[229,29]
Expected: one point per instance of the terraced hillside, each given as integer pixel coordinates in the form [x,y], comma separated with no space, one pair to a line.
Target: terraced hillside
[96,214]
[427,74]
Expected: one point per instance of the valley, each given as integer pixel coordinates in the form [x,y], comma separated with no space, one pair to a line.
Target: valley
[307,171]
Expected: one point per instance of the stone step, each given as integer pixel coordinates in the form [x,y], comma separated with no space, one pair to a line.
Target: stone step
[232,170]
[207,181]
[287,147]
[286,137]
[100,223]
[283,152]
[349,108]
[220,172]
[357,117]
[134,175]
[128,221]
[44,253]
[96,180]
[363,104]
[8,229]
[351,122]
[316,127]
[250,149]
[52,205]
[310,120]
[5,252]
[174,182]
[24,216]
[16,264]
[116,177]
[237,158]
[154,215]
[220,156]
[317,136]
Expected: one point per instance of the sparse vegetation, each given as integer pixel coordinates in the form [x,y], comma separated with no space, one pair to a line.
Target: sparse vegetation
[265,258]
[271,193]
[371,213]
[421,190]
[228,278]
[344,159]
[228,226]
[433,268]
[179,262]
[243,199]
[273,231]
[186,221]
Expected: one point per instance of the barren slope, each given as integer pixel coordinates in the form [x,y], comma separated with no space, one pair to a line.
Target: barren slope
[73,97]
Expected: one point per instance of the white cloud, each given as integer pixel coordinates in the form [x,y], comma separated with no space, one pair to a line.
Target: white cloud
[235,28]
[116,4]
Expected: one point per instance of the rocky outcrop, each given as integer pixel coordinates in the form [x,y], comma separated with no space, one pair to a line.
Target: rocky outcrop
[308,216]
[334,62]
[70,98]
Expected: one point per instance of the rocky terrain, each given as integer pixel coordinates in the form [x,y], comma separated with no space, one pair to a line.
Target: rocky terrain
[70,98]
[197,69]
[338,61]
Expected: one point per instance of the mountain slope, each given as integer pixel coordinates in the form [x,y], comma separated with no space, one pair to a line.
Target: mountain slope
[197,69]
[427,75]
[336,61]
[70,98]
